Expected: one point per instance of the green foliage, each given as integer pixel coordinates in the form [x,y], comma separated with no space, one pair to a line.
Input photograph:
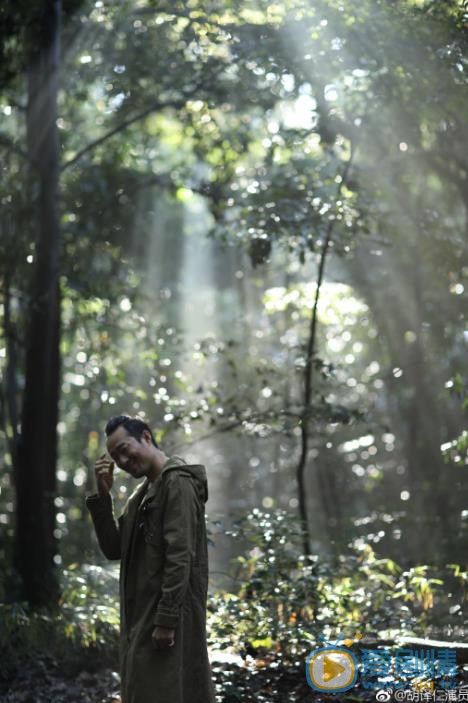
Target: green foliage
[277,607]
[89,606]
[81,633]
[456,450]
[281,601]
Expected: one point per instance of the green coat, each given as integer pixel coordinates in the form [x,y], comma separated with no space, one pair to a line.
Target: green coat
[160,539]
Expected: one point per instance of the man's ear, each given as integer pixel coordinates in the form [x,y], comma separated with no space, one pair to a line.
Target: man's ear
[147,436]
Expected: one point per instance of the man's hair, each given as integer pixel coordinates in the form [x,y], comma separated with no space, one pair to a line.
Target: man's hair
[134,426]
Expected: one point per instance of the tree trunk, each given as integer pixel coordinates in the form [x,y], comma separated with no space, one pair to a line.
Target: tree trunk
[10,386]
[308,376]
[35,470]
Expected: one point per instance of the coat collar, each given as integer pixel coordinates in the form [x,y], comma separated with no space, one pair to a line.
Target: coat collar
[152,488]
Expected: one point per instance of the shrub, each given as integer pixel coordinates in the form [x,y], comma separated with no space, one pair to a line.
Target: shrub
[81,633]
[285,600]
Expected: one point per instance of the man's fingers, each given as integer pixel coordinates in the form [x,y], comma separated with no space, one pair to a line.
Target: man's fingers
[104,465]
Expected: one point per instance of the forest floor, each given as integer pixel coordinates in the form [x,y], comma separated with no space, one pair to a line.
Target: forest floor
[43,681]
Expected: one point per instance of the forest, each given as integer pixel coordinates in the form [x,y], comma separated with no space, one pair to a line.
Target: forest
[246,223]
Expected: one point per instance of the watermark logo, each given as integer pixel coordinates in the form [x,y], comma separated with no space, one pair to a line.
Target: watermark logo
[424,695]
[332,668]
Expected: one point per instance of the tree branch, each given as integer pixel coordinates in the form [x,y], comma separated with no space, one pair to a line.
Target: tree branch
[258,417]
[177,104]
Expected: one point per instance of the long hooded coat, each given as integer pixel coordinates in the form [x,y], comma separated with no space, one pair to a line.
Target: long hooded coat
[160,539]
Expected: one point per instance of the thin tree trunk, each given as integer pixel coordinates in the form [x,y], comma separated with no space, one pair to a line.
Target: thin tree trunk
[37,456]
[305,419]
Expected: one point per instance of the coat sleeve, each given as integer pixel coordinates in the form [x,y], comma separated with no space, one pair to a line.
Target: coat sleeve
[179,535]
[107,529]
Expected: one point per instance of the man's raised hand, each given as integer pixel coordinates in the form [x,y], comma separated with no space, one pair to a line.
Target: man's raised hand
[104,471]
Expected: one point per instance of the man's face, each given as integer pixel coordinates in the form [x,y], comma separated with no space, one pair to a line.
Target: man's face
[129,454]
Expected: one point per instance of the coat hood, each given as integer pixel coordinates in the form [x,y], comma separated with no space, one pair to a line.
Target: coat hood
[198,471]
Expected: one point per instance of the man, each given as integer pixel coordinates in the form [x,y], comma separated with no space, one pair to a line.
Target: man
[160,539]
